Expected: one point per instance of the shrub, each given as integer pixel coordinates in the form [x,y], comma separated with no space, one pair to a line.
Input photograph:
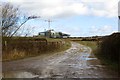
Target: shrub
[109,47]
[28,46]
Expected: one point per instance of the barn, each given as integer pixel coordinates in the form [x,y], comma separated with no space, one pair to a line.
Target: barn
[53,34]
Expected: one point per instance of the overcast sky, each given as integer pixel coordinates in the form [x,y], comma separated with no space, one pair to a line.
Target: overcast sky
[75,17]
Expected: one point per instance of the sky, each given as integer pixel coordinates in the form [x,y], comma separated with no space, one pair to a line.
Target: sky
[75,17]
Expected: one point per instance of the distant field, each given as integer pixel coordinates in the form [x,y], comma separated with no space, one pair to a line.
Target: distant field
[91,44]
[53,40]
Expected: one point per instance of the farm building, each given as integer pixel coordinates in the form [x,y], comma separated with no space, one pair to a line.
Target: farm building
[52,34]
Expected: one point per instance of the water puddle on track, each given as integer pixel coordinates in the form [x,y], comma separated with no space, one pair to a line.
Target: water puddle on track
[19,74]
[91,58]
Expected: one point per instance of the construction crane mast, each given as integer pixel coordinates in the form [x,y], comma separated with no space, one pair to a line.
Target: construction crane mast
[49,21]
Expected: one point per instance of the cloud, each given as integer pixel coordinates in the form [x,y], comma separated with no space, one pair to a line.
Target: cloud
[55,9]
[103,8]
[104,30]
[68,8]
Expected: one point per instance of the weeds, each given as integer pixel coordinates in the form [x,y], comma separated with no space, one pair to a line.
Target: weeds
[107,50]
[20,47]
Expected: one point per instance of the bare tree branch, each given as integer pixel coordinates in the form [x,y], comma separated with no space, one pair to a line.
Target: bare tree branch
[11,18]
[31,17]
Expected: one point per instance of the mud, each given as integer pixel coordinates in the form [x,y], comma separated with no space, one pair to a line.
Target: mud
[72,63]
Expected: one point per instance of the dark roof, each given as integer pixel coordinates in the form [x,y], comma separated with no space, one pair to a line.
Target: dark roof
[63,34]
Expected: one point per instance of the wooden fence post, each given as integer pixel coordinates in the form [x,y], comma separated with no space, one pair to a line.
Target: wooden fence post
[6,45]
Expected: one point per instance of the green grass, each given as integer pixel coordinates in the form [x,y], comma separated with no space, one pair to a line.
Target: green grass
[91,44]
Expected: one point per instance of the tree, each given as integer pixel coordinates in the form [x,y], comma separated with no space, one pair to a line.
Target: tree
[25,20]
[11,20]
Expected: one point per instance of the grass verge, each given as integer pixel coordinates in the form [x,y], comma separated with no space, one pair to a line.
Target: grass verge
[93,45]
[16,55]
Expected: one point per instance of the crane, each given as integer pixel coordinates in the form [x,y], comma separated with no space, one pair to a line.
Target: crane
[49,21]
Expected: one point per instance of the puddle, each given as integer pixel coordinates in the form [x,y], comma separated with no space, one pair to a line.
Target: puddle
[19,74]
[91,58]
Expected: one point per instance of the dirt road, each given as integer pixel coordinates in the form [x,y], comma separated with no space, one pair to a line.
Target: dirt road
[72,63]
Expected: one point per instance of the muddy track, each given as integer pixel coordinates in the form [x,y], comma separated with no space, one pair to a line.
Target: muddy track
[72,63]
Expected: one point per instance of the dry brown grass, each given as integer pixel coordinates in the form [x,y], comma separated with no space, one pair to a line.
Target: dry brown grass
[109,51]
[17,48]
[13,55]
